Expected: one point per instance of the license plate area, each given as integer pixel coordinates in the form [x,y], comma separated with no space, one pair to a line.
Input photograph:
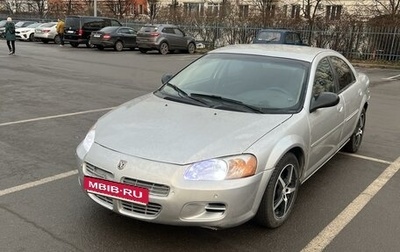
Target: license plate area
[116,190]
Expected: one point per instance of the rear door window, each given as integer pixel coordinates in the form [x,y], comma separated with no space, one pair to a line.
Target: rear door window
[115,22]
[93,23]
[73,22]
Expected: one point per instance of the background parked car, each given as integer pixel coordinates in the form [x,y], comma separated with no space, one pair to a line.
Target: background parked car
[2,27]
[24,23]
[27,33]
[47,32]
[117,37]
[278,36]
[164,38]
[255,121]
[79,28]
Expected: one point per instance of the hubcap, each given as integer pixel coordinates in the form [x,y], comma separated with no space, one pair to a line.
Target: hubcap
[360,130]
[164,49]
[284,191]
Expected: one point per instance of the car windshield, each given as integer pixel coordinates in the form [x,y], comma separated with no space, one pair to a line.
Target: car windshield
[72,22]
[19,24]
[265,84]
[33,25]
[48,25]
[268,36]
[109,28]
[148,29]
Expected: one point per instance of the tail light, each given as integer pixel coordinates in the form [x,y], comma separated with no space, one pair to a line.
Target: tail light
[154,34]
[80,32]
[46,31]
[106,36]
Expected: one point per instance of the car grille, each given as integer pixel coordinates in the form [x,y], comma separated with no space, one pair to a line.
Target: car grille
[154,189]
[151,209]
[98,172]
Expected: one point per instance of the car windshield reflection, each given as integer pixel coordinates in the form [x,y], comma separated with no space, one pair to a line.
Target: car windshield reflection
[263,84]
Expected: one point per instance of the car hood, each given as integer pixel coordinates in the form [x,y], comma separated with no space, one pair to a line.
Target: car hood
[152,128]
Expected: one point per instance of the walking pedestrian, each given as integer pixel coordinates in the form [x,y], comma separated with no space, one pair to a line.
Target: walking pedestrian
[10,35]
[60,30]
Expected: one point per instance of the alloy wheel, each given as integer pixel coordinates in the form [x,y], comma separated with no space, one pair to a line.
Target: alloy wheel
[285,191]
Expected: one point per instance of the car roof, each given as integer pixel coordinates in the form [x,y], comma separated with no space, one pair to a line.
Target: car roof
[275,50]
[275,30]
[166,25]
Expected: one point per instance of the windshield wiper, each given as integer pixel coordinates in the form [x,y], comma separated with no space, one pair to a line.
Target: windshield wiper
[229,100]
[183,94]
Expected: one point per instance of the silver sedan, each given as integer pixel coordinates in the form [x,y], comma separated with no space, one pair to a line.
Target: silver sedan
[229,138]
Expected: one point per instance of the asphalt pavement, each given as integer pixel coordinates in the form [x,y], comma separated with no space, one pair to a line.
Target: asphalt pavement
[50,96]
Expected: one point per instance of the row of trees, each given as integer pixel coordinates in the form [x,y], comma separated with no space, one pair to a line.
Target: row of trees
[369,33]
[260,11]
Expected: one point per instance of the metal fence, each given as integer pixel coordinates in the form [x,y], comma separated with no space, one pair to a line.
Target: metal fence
[355,42]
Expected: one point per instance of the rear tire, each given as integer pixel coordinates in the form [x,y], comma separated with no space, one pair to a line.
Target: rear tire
[32,37]
[354,143]
[57,40]
[119,46]
[164,48]
[74,44]
[89,45]
[281,193]
[45,41]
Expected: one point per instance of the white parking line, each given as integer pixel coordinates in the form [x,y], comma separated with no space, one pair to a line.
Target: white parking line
[325,237]
[366,158]
[55,116]
[37,183]
[392,77]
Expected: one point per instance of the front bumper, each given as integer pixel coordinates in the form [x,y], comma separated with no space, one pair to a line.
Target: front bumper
[22,36]
[173,200]
[103,43]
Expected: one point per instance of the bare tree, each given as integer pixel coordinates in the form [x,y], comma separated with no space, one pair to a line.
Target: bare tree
[120,8]
[266,8]
[39,6]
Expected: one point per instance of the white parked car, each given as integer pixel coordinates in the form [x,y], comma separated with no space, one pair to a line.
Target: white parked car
[47,32]
[229,138]
[26,33]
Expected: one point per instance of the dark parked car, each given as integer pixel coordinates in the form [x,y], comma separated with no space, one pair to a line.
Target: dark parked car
[117,37]
[275,36]
[2,26]
[78,28]
[164,38]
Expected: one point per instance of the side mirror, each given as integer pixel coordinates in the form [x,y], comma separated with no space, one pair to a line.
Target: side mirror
[324,100]
[165,78]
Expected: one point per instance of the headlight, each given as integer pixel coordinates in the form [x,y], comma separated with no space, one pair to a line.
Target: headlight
[221,169]
[89,139]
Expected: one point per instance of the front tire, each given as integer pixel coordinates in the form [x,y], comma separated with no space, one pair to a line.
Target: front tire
[354,143]
[281,193]
[191,48]
[164,48]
